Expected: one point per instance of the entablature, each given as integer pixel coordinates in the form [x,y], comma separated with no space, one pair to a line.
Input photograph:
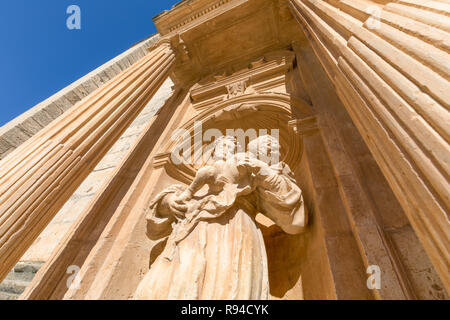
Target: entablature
[209,36]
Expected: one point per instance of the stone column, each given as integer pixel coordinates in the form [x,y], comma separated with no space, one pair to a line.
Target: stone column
[389,64]
[39,177]
[332,250]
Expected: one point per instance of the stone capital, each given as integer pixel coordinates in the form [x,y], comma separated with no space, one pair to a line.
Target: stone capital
[176,45]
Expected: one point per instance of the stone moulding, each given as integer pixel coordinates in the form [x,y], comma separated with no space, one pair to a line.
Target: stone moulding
[305,127]
[181,172]
[182,16]
[279,62]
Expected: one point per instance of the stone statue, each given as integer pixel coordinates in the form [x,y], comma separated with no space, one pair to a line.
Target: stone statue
[214,248]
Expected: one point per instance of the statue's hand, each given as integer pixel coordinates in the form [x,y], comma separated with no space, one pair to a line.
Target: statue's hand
[171,205]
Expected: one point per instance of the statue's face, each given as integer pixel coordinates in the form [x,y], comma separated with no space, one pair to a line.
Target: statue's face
[225,148]
[265,148]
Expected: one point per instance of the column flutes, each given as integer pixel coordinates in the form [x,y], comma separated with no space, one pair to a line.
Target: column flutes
[39,176]
[390,66]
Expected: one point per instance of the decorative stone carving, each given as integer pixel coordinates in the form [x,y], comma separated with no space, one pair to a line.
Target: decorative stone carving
[257,62]
[236,89]
[234,112]
[214,249]
[262,75]
[181,49]
[380,96]
[305,126]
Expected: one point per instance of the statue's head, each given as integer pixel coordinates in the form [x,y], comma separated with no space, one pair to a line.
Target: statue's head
[225,147]
[265,148]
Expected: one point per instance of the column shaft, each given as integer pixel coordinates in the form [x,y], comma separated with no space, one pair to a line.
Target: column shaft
[39,177]
[391,71]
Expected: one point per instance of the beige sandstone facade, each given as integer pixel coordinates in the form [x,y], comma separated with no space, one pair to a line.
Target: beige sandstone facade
[359,93]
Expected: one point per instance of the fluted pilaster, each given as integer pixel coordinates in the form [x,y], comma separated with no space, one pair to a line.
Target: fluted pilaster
[39,177]
[391,70]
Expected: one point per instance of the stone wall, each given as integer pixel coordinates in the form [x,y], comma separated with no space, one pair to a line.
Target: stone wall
[20,129]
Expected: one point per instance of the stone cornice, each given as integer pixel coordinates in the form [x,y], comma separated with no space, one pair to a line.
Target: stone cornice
[189,12]
[212,35]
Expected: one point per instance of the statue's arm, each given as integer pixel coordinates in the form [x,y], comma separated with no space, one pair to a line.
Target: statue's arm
[205,175]
[280,198]
[163,211]
[292,221]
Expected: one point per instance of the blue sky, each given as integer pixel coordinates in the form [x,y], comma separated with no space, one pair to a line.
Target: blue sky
[39,55]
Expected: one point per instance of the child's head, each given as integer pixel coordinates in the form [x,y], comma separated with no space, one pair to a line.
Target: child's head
[224,148]
[265,148]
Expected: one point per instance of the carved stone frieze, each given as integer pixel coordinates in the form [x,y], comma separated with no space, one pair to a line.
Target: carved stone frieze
[226,34]
[261,75]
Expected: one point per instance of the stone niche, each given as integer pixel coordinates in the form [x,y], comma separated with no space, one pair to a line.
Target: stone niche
[251,98]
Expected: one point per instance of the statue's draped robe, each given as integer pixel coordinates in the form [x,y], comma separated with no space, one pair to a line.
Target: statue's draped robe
[218,251]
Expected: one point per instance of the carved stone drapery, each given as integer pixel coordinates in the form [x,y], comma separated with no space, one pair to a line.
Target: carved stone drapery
[265,110]
[214,248]
[38,178]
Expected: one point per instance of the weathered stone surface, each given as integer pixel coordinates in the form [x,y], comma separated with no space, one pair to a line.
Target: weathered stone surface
[4,145]
[15,137]
[116,68]
[104,77]
[63,103]
[110,72]
[90,86]
[81,92]
[53,110]
[18,279]
[30,127]
[72,97]
[124,63]
[43,118]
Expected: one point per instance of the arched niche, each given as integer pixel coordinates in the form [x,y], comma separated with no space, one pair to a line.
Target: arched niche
[252,111]
[267,111]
